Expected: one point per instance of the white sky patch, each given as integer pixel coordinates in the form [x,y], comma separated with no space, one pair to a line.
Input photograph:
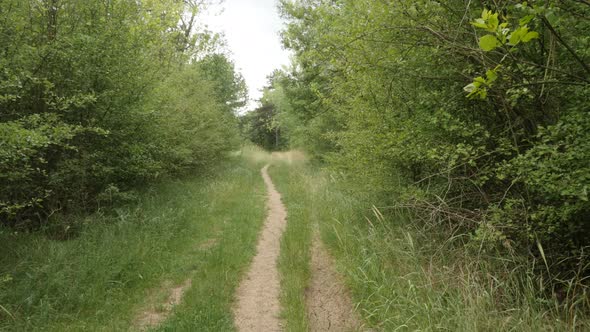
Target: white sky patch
[251,29]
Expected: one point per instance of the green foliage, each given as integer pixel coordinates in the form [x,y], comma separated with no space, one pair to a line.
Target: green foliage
[480,85]
[405,276]
[501,33]
[501,36]
[229,87]
[257,127]
[192,128]
[105,95]
[263,126]
[488,42]
[27,146]
[506,162]
[124,260]
[557,174]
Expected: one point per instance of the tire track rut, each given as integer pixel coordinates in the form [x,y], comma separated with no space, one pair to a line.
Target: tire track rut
[257,306]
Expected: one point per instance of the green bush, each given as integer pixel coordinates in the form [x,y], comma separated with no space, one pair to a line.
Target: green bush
[471,115]
[100,97]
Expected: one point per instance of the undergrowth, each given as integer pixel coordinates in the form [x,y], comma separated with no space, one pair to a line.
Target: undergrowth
[101,278]
[406,275]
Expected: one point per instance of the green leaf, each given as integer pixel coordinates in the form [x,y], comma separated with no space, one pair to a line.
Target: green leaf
[491,75]
[488,42]
[526,20]
[530,36]
[479,80]
[479,23]
[493,22]
[517,35]
[469,88]
[483,93]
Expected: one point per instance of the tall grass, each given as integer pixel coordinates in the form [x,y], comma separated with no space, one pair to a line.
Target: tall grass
[408,276]
[101,278]
[295,244]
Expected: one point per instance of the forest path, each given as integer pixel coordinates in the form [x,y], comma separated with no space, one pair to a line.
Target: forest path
[258,306]
[329,305]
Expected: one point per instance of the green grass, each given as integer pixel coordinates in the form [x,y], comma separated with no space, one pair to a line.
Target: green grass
[103,277]
[402,276]
[295,244]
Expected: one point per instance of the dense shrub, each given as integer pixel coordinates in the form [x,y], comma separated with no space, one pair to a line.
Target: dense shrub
[473,115]
[97,97]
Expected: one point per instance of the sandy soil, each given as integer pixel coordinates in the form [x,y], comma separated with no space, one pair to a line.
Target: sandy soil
[155,316]
[257,307]
[158,310]
[328,302]
[290,157]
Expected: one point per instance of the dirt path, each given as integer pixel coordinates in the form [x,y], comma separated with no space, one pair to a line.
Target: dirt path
[258,305]
[328,302]
[156,315]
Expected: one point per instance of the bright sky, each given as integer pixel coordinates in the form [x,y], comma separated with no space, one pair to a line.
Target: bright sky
[251,28]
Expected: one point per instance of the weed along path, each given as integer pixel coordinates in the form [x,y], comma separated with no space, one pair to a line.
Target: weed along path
[258,307]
